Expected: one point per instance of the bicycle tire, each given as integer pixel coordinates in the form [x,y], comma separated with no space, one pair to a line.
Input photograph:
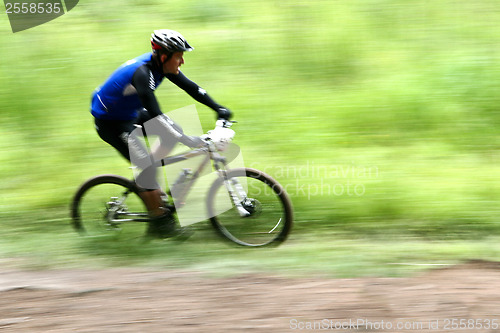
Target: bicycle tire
[90,205]
[272,214]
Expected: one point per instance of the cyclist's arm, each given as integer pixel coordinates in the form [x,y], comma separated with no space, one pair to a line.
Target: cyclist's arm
[141,83]
[193,90]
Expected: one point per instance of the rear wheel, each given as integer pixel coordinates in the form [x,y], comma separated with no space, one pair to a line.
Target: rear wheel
[103,204]
[265,205]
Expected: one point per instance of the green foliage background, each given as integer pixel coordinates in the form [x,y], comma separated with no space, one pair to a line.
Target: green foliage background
[380,117]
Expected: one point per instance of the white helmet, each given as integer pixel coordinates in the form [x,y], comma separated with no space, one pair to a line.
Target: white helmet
[170,41]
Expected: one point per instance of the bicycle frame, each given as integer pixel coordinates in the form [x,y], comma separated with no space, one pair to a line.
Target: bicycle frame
[115,215]
[181,196]
[235,190]
[219,164]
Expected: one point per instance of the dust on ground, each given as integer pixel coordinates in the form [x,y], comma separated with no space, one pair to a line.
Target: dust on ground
[462,298]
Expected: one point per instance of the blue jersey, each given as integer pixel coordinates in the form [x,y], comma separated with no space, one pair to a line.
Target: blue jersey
[117,98]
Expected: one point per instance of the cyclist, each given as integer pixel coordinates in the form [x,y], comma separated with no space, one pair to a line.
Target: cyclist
[127,99]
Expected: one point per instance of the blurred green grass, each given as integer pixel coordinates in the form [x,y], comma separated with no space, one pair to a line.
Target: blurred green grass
[380,117]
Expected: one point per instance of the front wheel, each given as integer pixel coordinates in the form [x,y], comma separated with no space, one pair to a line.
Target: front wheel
[250,208]
[103,204]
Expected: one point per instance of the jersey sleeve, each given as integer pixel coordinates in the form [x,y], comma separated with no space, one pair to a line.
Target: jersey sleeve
[195,91]
[145,90]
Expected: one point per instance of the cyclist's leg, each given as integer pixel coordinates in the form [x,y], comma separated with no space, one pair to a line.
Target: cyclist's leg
[146,179]
[154,204]
[162,224]
[155,127]
[152,127]
[116,133]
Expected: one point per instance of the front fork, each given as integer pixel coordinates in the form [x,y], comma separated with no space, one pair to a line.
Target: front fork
[237,194]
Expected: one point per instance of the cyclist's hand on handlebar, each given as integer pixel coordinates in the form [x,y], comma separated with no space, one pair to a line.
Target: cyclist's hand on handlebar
[224,113]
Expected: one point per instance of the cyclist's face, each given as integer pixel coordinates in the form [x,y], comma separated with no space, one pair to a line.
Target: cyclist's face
[172,65]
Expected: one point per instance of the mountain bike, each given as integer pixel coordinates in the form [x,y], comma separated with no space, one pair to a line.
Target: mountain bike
[244,205]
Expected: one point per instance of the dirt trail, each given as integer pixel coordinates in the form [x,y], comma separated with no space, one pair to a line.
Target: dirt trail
[125,300]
